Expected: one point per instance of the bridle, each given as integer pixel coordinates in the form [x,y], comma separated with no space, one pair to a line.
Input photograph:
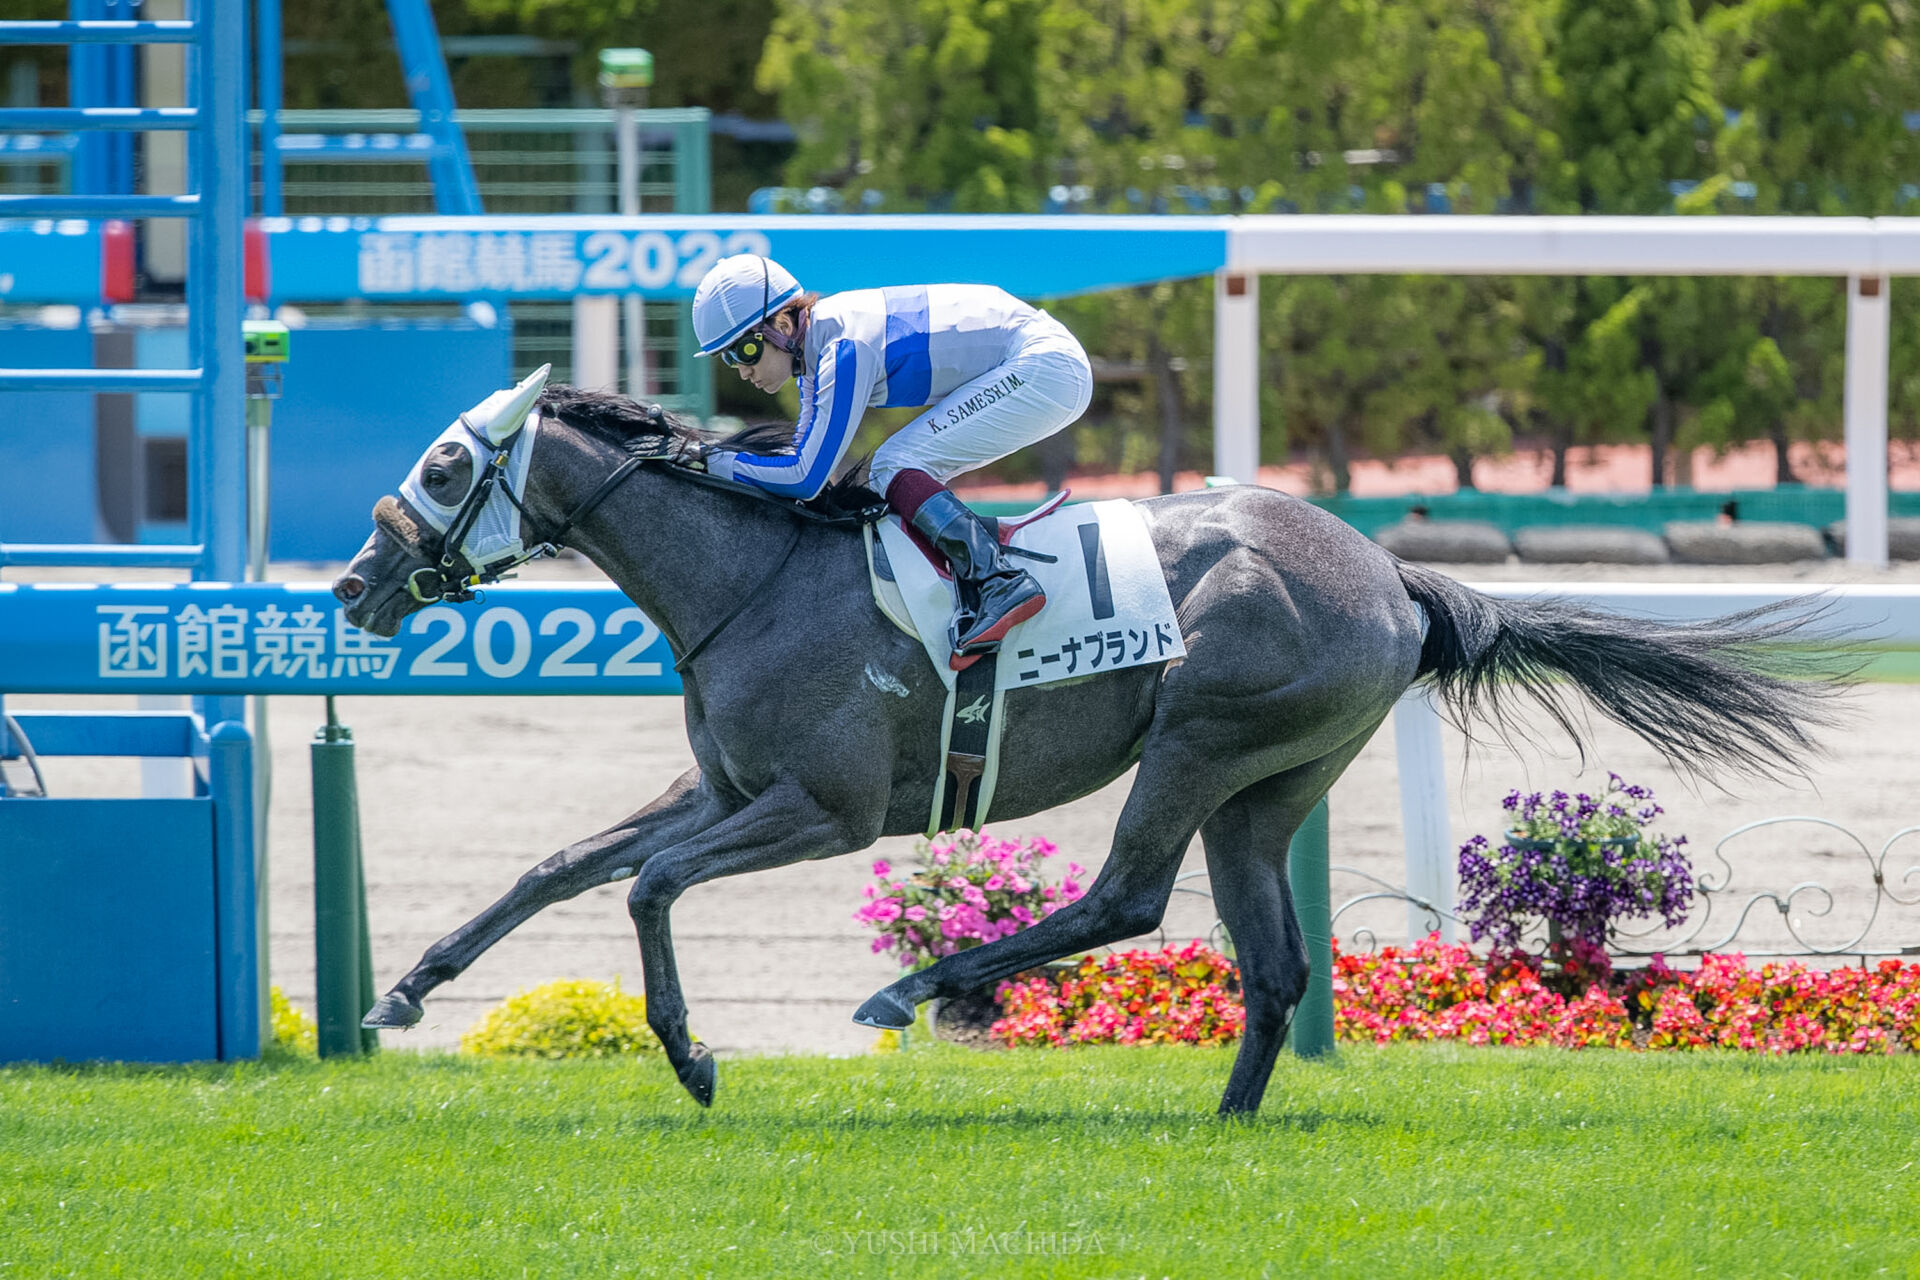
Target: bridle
[442,579]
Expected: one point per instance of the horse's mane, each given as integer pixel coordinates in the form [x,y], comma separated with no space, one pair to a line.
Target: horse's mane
[622,420]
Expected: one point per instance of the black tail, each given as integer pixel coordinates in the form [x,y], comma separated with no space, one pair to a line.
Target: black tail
[1723,692]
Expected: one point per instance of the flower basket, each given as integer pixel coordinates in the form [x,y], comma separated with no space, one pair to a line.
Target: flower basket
[1579,863]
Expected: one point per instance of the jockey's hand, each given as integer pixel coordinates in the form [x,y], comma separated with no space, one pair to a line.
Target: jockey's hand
[694,456]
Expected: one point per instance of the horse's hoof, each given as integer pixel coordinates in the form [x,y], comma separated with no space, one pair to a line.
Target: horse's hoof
[886,1011]
[699,1075]
[393,1012]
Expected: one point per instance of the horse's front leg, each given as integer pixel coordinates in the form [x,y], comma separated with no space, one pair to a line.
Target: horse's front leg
[783,825]
[614,854]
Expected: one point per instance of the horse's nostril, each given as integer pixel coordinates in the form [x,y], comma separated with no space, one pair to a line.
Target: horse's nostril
[349,588]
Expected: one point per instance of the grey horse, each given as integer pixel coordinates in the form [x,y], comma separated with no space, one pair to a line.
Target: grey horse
[1300,633]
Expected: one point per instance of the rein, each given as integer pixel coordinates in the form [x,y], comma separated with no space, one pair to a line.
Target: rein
[745,600]
[450,586]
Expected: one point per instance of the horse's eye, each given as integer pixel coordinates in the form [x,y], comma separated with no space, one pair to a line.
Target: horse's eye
[434,476]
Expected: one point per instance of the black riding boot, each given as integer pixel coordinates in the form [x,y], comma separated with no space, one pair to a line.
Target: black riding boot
[994,595]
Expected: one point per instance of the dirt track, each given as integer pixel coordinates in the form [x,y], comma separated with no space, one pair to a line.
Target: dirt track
[459,796]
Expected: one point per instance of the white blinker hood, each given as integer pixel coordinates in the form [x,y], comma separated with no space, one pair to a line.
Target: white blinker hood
[495,534]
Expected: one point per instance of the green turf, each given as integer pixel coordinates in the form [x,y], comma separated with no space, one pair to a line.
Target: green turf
[1428,1161]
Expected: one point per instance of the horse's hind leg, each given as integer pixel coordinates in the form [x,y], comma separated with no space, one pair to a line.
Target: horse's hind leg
[614,854]
[1246,841]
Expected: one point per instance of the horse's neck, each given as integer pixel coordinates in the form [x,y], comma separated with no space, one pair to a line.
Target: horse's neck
[684,552]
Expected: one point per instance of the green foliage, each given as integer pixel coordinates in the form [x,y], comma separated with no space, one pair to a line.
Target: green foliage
[570,1018]
[292,1029]
[1821,88]
[1323,106]
[931,104]
[1637,106]
[704,51]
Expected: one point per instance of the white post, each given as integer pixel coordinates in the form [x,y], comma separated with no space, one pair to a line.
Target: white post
[165,777]
[1865,415]
[596,341]
[1423,810]
[626,135]
[1236,375]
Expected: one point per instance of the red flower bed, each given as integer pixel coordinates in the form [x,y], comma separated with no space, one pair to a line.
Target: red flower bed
[1441,991]
[1174,996]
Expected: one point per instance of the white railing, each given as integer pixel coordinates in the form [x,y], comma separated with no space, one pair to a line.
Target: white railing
[1864,250]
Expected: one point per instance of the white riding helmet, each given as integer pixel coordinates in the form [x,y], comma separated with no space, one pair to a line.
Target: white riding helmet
[738,293]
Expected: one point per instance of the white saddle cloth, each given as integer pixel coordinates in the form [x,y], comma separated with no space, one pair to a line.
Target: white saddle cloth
[1107,602]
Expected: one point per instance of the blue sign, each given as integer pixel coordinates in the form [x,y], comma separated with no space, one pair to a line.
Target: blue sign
[664,256]
[50,260]
[230,638]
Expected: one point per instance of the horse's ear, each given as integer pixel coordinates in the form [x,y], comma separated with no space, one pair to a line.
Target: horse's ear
[501,414]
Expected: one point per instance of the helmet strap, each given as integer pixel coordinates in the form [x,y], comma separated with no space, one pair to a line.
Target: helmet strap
[793,346]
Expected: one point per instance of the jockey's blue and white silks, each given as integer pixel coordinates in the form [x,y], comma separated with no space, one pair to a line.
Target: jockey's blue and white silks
[997,373]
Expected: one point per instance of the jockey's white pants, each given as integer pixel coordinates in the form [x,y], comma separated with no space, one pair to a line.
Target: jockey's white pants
[1044,385]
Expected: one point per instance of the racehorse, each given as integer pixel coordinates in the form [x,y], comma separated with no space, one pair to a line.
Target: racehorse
[1300,635]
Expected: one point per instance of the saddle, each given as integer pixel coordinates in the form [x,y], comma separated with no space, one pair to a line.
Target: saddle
[1108,608]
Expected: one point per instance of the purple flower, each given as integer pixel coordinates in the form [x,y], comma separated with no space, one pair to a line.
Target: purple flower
[1597,866]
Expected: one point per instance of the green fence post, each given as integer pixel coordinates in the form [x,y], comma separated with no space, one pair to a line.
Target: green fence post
[1312,1029]
[342,963]
[369,1038]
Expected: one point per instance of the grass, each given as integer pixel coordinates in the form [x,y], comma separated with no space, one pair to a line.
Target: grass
[1408,1160]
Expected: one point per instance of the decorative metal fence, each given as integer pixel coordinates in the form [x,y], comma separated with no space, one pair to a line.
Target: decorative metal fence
[1864,908]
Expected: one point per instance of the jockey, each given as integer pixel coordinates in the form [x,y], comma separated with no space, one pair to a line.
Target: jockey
[994,373]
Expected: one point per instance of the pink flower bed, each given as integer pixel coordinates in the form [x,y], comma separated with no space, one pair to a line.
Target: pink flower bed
[970,888]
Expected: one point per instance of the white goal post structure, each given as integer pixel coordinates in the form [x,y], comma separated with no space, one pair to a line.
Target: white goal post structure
[1864,250]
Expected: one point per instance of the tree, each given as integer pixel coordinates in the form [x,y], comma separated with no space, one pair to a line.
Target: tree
[705,52]
[1818,97]
[1455,98]
[1818,92]
[930,104]
[1139,95]
[1638,116]
[1637,109]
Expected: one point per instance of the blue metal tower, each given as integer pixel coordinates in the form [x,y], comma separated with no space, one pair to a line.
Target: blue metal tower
[429,91]
[210,835]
